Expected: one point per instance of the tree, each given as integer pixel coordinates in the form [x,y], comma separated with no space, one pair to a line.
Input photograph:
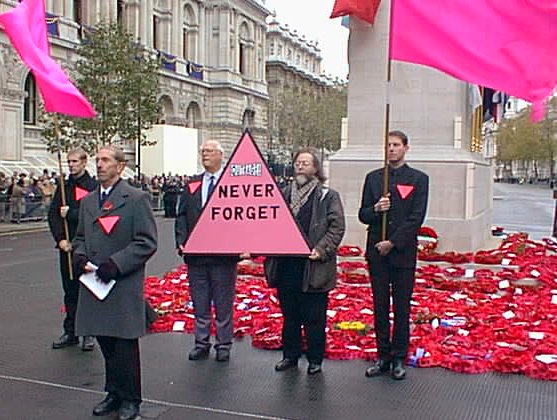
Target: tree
[301,117]
[120,78]
[519,139]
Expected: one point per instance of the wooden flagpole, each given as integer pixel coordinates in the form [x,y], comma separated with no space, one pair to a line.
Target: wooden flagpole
[387,122]
[62,187]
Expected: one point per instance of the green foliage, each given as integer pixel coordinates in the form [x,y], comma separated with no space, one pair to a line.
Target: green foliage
[520,139]
[121,80]
[300,118]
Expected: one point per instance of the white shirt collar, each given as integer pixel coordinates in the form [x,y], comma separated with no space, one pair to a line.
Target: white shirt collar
[217,174]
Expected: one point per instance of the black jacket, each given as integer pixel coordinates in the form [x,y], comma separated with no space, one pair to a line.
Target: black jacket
[55,221]
[404,218]
[189,211]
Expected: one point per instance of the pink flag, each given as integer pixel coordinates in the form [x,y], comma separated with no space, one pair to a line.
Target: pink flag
[25,25]
[509,46]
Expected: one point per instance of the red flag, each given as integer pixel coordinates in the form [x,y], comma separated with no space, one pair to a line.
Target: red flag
[363,9]
[25,25]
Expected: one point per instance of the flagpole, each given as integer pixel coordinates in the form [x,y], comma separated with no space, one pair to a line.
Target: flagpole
[387,119]
[62,191]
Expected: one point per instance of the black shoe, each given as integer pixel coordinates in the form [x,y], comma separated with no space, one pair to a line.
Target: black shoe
[129,410]
[286,364]
[199,353]
[398,373]
[378,367]
[314,368]
[108,405]
[223,355]
[87,343]
[65,340]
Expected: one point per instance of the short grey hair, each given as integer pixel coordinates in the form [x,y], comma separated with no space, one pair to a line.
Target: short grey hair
[118,153]
[217,144]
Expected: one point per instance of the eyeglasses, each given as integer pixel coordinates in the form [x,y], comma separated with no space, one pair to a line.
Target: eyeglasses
[207,150]
[302,163]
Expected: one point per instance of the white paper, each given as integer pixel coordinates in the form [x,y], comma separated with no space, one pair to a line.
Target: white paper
[554,299]
[503,284]
[547,358]
[505,261]
[535,335]
[508,315]
[94,283]
[178,326]
[535,273]
[469,273]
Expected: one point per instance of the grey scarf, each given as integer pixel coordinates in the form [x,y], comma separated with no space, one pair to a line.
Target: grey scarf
[299,194]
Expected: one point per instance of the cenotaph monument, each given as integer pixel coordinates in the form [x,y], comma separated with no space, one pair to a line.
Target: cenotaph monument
[433,109]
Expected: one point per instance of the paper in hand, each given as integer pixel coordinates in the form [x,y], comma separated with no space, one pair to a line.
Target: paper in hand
[95,284]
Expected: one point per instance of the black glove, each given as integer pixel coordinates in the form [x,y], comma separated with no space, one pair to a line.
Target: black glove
[107,271]
[79,262]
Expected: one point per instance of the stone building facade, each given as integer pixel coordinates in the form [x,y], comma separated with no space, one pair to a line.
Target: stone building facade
[293,62]
[212,77]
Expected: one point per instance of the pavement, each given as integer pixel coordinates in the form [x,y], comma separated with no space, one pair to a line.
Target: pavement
[37,382]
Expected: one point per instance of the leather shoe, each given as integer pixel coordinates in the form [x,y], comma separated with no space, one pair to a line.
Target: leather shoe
[65,340]
[129,410]
[314,368]
[199,353]
[223,355]
[286,364]
[378,367]
[398,373]
[108,405]
[87,343]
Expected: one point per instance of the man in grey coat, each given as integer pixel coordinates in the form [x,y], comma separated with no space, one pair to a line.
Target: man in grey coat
[117,233]
[303,283]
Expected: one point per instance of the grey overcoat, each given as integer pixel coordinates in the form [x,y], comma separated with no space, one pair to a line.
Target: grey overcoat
[132,241]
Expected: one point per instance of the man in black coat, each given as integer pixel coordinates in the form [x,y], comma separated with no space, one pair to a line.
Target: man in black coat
[78,185]
[392,260]
[212,278]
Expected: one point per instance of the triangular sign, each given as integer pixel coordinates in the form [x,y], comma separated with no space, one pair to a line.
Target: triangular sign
[404,190]
[193,186]
[80,193]
[108,223]
[246,212]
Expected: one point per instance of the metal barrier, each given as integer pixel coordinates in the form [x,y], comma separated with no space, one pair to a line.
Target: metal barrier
[28,209]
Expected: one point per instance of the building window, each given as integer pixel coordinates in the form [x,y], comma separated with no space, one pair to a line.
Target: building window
[243,63]
[77,16]
[30,102]
[155,32]
[248,119]
[120,12]
[193,115]
[189,34]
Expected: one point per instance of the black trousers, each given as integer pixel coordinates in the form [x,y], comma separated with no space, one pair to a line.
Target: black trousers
[71,293]
[401,280]
[122,367]
[302,309]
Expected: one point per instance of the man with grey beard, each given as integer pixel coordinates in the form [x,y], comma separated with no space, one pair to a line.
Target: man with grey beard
[303,283]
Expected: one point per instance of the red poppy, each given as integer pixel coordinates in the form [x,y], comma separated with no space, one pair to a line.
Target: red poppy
[107,206]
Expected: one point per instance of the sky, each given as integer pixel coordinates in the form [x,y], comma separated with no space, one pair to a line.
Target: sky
[311,18]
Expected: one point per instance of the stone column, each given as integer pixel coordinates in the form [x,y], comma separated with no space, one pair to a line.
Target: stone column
[68,9]
[224,38]
[431,108]
[201,40]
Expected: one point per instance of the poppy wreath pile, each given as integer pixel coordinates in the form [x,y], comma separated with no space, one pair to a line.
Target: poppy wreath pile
[487,311]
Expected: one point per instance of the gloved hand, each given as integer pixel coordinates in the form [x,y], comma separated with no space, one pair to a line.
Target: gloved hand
[79,262]
[107,271]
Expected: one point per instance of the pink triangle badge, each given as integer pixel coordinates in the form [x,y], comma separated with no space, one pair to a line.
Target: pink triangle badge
[246,211]
[193,186]
[80,193]
[404,190]
[108,222]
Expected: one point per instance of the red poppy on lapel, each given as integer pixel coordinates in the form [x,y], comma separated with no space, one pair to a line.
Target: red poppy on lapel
[404,190]
[108,222]
[193,186]
[107,206]
[80,193]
